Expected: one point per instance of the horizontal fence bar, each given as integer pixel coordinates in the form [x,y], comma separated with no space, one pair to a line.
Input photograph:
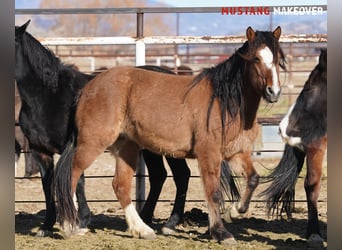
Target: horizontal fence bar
[161,200]
[60,11]
[125,40]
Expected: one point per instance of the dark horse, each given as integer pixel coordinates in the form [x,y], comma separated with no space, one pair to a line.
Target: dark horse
[304,130]
[47,90]
[211,117]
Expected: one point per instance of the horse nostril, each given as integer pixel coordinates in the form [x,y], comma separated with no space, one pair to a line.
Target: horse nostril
[269,91]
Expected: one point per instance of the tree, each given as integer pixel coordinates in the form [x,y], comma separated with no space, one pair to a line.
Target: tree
[106,24]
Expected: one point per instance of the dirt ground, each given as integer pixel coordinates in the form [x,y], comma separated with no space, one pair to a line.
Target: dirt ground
[108,226]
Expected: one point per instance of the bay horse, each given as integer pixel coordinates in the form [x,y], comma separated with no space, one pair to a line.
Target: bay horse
[211,117]
[47,89]
[45,109]
[304,130]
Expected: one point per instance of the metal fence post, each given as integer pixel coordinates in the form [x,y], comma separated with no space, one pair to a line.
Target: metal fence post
[140,172]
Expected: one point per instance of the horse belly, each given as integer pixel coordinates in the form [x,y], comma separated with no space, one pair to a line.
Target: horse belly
[163,127]
[163,137]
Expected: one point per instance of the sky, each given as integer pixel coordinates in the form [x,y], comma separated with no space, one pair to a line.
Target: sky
[205,3]
[227,3]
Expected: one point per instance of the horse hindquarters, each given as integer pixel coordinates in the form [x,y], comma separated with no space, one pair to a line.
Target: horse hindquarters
[126,153]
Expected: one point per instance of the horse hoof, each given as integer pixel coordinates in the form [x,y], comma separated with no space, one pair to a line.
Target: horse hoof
[148,235]
[168,231]
[315,241]
[80,231]
[229,241]
[44,233]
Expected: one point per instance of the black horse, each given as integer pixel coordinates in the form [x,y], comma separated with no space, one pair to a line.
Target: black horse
[304,130]
[47,90]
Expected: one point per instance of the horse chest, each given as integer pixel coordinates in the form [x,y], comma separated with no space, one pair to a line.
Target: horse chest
[243,142]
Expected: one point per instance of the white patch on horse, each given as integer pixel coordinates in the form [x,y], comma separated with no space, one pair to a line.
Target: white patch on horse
[136,226]
[267,58]
[75,200]
[292,141]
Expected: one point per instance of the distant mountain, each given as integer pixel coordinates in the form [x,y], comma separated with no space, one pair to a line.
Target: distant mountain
[218,24]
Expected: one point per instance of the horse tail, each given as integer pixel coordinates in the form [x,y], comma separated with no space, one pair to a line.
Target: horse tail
[229,187]
[280,193]
[65,207]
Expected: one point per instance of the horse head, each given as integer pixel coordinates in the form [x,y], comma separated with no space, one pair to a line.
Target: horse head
[263,57]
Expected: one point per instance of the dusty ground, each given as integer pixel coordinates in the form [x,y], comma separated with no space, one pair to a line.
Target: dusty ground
[108,226]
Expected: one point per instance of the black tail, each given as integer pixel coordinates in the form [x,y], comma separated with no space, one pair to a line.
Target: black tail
[228,184]
[280,193]
[65,207]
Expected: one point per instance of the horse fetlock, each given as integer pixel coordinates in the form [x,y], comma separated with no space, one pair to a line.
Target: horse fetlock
[44,233]
[234,212]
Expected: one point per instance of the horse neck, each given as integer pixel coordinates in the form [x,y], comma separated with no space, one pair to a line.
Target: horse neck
[251,105]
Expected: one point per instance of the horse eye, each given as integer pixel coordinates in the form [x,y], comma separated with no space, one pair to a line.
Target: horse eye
[256,60]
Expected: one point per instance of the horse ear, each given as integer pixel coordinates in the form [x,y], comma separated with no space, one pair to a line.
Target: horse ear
[23,27]
[277,32]
[250,33]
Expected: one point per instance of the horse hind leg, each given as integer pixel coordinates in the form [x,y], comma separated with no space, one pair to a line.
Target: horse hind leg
[126,160]
[312,187]
[252,180]
[181,174]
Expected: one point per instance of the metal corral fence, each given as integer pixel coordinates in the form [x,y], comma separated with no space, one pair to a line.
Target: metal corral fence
[140,42]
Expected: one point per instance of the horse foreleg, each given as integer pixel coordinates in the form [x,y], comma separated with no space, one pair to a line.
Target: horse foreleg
[315,157]
[157,175]
[252,180]
[181,175]
[210,168]
[45,164]
[126,160]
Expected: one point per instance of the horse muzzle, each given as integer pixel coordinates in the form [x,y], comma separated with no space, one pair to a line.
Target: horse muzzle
[272,96]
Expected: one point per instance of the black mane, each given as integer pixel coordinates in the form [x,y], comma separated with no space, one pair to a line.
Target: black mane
[227,77]
[43,63]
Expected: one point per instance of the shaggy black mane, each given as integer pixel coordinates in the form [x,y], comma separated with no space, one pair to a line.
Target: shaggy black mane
[227,77]
[43,63]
